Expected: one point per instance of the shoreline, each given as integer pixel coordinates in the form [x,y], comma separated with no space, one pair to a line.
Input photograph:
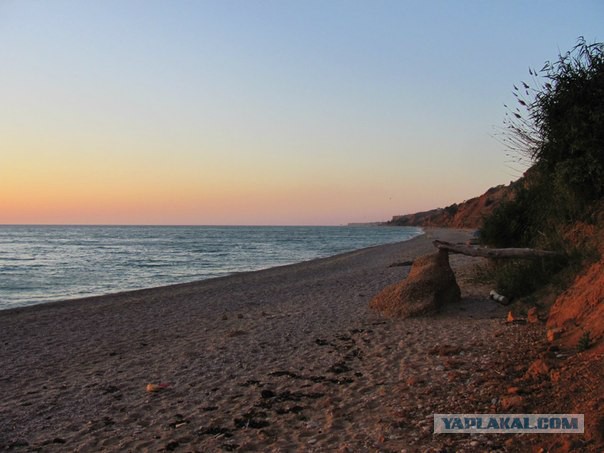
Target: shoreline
[77,298]
[281,359]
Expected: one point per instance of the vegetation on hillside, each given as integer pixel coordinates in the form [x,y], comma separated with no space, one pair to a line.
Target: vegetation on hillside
[558,128]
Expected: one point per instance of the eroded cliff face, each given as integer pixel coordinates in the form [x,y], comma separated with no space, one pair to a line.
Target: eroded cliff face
[579,310]
[576,312]
[468,214]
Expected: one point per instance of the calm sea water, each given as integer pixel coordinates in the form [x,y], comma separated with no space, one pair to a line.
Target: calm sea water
[45,263]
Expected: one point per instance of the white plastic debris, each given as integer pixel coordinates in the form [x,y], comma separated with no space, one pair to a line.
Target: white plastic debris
[498,297]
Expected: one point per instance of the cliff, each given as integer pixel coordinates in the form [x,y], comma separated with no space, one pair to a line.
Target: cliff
[468,214]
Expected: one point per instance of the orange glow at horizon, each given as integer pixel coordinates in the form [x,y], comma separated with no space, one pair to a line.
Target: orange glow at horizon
[59,197]
[105,186]
[62,186]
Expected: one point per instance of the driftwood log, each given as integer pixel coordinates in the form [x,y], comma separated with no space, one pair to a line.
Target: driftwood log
[494,253]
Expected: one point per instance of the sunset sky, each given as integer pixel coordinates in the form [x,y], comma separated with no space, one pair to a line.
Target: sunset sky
[262,112]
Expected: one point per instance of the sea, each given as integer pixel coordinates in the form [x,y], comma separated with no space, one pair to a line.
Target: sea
[40,264]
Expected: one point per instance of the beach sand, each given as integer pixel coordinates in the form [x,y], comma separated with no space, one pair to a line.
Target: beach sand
[284,359]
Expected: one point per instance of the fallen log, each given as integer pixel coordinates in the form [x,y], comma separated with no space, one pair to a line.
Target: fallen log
[495,253]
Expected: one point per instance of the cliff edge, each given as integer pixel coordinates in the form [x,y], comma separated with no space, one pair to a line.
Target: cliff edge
[468,214]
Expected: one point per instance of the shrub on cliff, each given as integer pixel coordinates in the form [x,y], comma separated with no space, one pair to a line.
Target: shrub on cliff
[559,129]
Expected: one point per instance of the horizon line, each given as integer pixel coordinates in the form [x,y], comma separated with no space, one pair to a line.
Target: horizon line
[183,225]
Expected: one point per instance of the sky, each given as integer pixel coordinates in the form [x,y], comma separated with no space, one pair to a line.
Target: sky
[262,112]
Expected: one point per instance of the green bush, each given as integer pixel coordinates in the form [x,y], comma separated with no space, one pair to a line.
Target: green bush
[506,225]
[520,278]
[524,220]
[569,114]
[561,132]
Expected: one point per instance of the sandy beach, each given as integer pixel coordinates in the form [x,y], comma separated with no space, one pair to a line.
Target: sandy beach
[284,359]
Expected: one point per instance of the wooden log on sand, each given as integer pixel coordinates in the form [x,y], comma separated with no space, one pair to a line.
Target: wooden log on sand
[495,253]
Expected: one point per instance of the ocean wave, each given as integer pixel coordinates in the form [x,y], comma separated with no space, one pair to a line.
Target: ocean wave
[67,262]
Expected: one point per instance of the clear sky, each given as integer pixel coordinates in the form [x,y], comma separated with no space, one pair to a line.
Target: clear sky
[262,112]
